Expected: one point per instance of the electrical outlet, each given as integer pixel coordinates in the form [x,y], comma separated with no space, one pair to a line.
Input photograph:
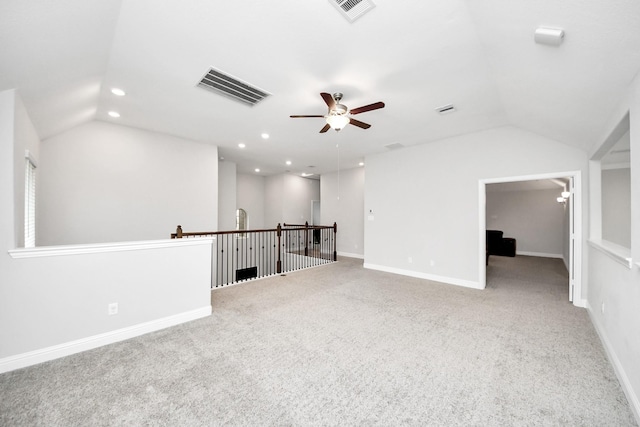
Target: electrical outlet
[112,308]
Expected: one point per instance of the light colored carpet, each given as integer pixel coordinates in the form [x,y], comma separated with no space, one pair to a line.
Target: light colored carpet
[340,345]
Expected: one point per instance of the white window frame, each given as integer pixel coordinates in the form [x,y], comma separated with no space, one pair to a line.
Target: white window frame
[29,201]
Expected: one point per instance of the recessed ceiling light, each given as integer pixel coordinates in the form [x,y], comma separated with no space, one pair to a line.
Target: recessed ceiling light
[361,164]
[117,92]
[257,169]
[241,145]
[114,114]
[288,162]
[306,174]
[265,136]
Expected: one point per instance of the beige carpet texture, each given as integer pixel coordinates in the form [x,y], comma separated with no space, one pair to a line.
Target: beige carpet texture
[340,345]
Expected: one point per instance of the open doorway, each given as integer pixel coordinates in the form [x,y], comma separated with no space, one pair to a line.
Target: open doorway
[540,216]
[315,213]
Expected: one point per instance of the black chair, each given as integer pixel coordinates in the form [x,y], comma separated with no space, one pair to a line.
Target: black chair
[498,245]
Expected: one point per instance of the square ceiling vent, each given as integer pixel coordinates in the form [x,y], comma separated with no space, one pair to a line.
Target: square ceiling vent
[353,9]
[231,87]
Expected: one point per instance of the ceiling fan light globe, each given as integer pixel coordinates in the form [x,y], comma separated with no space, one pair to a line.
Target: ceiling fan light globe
[338,121]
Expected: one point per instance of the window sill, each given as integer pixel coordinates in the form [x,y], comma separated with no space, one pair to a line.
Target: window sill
[46,251]
[614,251]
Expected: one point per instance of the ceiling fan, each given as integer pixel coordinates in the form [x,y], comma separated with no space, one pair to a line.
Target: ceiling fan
[338,115]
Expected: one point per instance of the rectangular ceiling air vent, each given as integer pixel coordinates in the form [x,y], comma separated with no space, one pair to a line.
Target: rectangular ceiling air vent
[394,146]
[232,87]
[353,9]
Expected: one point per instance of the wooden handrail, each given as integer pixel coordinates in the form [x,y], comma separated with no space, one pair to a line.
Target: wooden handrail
[179,233]
[307,226]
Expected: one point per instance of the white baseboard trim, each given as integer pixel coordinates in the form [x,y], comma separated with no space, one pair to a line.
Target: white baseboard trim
[350,255]
[419,275]
[61,350]
[539,254]
[582,303]
[632,397]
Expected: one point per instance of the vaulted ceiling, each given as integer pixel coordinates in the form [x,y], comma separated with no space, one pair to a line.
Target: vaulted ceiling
[65,56]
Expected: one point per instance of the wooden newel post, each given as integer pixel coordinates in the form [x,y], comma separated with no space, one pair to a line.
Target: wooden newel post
[279,262]
[306,238]
[335,240]
[179,232]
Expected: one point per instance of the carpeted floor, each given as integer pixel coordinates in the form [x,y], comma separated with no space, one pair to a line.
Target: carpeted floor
[341,345]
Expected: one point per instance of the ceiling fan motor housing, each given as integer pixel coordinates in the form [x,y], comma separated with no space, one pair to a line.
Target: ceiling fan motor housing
[338,109]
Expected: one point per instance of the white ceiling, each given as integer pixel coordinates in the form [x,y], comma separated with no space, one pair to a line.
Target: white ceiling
[64,57]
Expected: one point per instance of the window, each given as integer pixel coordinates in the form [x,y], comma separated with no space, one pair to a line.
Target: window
[29,203]
[616,193]
[241,219]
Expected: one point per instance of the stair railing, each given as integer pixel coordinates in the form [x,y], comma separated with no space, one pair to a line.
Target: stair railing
[241,255]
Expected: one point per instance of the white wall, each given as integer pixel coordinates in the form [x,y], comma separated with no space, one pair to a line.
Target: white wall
[534,218]
[226,196]
[250,196]
[613,283]
[298,193]
[342,195]
[9,224]
[102,182]
[288,199]
[62,300]
[53,301]
[424,200]
[616,206]
[273,200]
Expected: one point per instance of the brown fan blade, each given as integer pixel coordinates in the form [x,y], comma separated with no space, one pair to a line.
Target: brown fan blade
[328,99]
[325,128]
[358,123]
[302,117]
[369,107]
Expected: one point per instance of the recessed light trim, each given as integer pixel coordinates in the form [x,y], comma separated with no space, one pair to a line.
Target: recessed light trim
[118,92]
[241,145]
[257,169]
[361,164]
[288,162]
[114,114]
[265,136]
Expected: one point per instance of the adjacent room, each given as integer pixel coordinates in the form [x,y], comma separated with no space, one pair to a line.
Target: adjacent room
[532,218]
[340,212]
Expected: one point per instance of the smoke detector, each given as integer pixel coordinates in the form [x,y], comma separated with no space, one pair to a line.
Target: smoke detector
[549,36]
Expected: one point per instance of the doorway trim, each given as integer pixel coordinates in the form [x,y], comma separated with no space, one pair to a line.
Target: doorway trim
[575,264]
